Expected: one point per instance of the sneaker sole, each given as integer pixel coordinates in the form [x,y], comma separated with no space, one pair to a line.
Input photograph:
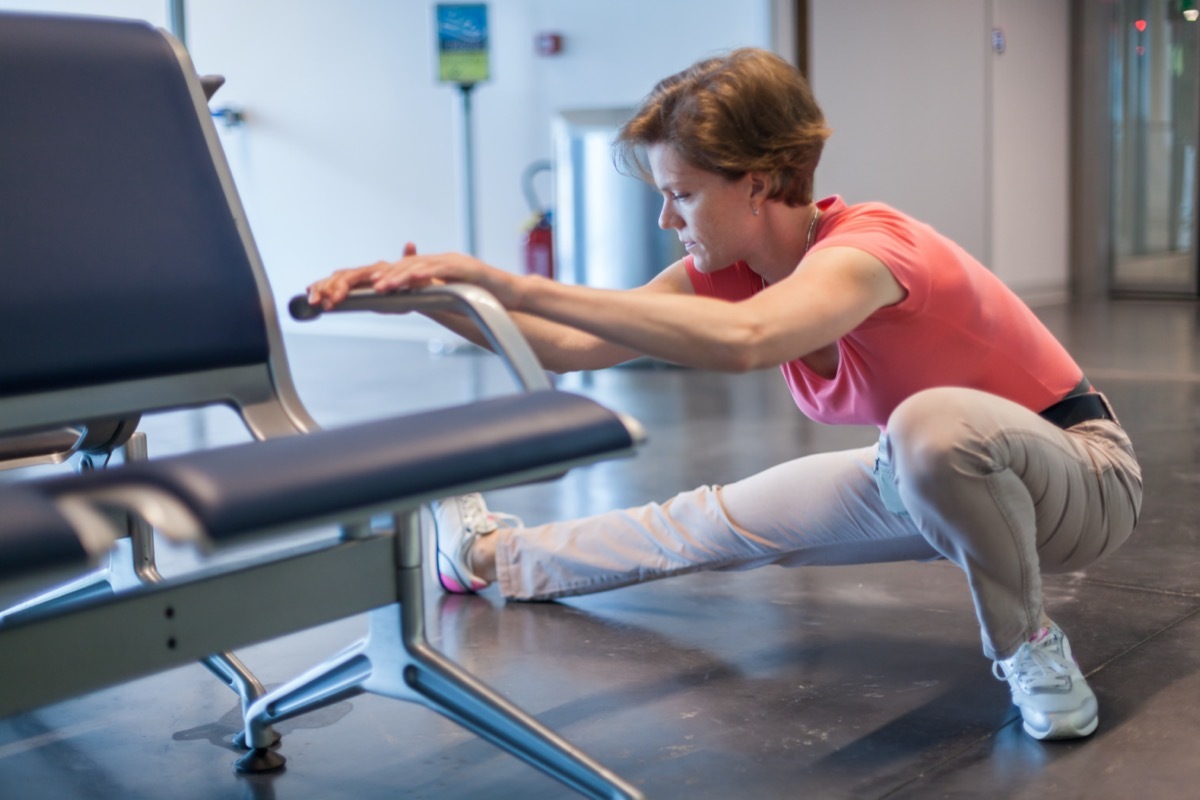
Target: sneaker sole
[452,586]
[448,577]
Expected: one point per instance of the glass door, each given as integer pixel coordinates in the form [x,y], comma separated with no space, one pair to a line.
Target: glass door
[1156,131]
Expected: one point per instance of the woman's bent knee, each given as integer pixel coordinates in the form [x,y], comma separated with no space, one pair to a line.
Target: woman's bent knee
[932,436]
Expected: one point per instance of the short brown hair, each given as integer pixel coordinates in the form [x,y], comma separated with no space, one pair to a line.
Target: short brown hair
[747,111]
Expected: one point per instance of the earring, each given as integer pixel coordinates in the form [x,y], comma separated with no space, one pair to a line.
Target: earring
[754,210]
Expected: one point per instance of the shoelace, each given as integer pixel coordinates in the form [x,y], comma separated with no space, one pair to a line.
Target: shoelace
[1037,665]
[474,513]
[477,519]
[503,520]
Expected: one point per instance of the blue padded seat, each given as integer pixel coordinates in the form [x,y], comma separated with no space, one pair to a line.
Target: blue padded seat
[87,153]
[244,489]
[34,536]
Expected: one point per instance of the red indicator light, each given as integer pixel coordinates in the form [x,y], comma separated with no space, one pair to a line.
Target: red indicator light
[1140,25]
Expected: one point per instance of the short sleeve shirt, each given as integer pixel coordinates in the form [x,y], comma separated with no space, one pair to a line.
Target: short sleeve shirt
[958,325]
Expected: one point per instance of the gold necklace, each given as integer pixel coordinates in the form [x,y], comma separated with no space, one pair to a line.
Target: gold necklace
[812,228]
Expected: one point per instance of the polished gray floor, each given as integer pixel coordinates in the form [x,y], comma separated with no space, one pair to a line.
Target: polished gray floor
[848,682]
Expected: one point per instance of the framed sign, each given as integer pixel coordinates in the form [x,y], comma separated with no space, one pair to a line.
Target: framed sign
[462,42]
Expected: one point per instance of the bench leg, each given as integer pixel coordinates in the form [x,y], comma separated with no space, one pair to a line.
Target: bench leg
[395,660]
[132,564]
[83,589]
[340,678]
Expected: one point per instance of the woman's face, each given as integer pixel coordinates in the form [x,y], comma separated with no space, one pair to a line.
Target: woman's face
[711,214]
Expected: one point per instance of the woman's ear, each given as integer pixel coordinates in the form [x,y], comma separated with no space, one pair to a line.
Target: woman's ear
[758,187]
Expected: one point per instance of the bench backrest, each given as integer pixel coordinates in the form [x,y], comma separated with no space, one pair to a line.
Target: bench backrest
[132,282]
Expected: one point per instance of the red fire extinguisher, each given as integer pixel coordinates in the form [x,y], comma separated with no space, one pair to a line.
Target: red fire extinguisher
[539,230]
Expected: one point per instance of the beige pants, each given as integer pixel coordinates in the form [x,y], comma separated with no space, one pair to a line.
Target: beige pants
[987,484]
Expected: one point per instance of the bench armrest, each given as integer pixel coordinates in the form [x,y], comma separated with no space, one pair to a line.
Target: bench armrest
[480,305]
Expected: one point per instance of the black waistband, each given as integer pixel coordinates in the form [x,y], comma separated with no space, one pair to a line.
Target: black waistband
[1081,405]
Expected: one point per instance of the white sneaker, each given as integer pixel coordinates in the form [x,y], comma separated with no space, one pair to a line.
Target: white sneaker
[1048,687]
[458,523]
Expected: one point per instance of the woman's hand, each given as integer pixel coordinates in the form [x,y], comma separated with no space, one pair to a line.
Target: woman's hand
[413,272]
[328,292]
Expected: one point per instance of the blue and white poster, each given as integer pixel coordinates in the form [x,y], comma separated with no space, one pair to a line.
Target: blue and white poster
[462,36]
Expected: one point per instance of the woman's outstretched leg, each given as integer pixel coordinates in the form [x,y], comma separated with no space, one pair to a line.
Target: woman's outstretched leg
[819,509]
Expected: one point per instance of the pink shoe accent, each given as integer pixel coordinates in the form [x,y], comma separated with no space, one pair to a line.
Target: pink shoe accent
[450,584]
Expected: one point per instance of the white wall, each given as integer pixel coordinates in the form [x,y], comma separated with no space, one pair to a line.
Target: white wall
[1030,144]
[902,86]
[154,11]
[928,118]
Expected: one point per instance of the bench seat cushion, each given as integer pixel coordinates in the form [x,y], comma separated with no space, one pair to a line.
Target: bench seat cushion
[34,536]
[246,488]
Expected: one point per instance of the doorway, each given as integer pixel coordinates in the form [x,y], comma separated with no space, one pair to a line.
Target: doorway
[1155,135]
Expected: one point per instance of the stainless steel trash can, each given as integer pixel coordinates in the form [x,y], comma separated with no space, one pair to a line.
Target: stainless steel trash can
[606,224]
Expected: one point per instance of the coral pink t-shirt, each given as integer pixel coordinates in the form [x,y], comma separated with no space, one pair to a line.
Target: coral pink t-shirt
[959,325]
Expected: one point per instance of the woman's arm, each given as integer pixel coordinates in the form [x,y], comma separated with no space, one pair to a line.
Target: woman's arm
[825,298]
[559,346]
[563,348]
